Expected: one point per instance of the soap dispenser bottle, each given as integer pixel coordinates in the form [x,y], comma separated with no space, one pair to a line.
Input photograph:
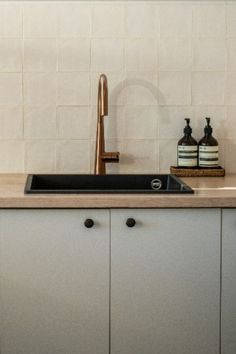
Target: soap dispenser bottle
[208,148]
[187,148]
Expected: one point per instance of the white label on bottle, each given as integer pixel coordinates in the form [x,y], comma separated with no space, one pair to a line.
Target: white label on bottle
[208,156]
[187,155]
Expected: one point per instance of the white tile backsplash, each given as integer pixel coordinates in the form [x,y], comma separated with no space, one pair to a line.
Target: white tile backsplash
[40,156]
[12,156]
[74,54]
[141,54]
[165,61]
[209,54]
[176,19]
[40,122]
[209,20]
[10,89]
[73,88]
[175,54]
[208,88]
[74,20]
[40,55]
[73,156]
[142,20]
[11,55]
[175,88]
[40,88]
[108,20]
[11,19]
[40,20]
[73,122]
[107,55]
[11,122]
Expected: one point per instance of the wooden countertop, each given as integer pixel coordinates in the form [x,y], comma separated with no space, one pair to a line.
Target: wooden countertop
[212,192]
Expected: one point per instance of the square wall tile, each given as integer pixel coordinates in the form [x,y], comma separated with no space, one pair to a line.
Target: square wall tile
[175,54]
[208,88]
[10,89]
[209,20]
[40,122]
[167,155]
[107,55]
[230,153]
[175,20]
[209,54]
[231,20]
[74,19]
[141,54]
[40,19]
[115,82]
[39,88]
[107,20]
[174,88]
[231,54]
[171,121]
[11,122]
[142,20]
[12,156]
[11,55]
[10,20]
[231,88]
[141,89]
[40,55]
[40,156]
[74,54]
[73,156]
[218,120]
[141,122]
[139,156]
[73,122]
[230,123]
[73,88]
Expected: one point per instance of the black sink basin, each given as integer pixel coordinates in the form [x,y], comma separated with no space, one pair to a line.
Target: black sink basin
[105,184]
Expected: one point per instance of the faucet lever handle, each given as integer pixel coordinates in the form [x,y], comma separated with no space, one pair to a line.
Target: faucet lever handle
[111,156]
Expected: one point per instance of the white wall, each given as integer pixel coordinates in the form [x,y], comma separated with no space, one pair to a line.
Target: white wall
[164,60]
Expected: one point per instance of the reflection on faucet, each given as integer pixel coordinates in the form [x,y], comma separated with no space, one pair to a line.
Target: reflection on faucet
[102,157]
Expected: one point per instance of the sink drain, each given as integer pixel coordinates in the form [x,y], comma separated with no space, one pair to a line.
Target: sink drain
[156,184]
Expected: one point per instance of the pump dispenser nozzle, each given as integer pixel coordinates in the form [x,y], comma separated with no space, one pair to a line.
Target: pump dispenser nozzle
[187,128]
[208,129]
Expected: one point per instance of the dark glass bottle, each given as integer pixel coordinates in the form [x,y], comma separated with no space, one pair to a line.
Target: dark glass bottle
[187,148]
[208,148]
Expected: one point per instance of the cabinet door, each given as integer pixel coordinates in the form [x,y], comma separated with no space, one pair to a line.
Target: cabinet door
[165,282]
[228,282]
[54,281]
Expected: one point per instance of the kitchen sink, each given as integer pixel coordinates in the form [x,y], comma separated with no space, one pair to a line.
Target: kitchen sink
[84,183]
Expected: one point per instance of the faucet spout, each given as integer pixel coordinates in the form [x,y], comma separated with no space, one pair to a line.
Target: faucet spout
[101,156]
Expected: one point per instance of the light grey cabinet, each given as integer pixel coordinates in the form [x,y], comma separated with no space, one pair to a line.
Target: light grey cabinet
[54,282]
[165,282]
[228,281]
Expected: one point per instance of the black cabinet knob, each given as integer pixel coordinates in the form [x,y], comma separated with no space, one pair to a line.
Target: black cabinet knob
[130,222]
[89,223]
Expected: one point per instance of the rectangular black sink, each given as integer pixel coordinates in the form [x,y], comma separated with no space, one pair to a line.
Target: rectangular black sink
[105,184]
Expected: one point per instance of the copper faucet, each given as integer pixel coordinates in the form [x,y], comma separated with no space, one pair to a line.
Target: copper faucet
[101,156]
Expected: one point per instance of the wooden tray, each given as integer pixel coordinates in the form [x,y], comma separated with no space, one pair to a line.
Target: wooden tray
[198,171]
